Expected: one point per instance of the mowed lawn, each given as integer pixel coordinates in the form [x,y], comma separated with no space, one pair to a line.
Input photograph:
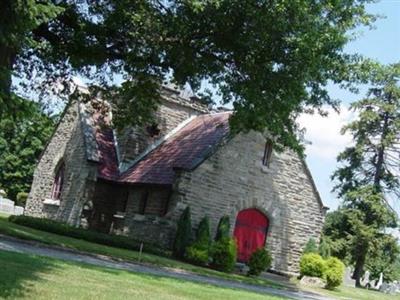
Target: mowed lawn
[26,233]
[33,277]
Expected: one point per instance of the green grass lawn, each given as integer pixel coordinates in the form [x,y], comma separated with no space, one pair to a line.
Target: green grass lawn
[27,233]
[33,277]
[347,293]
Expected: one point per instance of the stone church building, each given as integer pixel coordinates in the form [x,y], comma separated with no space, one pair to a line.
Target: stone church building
[137,182]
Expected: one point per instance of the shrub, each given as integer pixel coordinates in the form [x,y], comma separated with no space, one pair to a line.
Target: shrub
[311,247]
[223,230]
[87,235]
[203,237]
[312,264]
[334,272]
[324,248]
[259,261]
[198,253]
[183,234]
[223,254]
[21,199]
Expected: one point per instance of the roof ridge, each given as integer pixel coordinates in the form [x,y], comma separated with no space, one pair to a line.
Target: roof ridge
[156,144]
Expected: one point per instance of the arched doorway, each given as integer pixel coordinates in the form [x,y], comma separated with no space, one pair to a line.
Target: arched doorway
[250,232]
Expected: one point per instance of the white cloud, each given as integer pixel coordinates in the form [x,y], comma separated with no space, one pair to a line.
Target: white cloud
[324,132]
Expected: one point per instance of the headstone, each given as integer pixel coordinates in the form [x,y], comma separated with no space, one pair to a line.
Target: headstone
[365,279]
[347,280]
[18,210]
[388,288]
[380,281]
[312,281]
[6,206]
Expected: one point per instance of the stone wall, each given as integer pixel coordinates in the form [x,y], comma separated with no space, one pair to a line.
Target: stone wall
[152,226]
[234,179]
[172,111]
[66,145]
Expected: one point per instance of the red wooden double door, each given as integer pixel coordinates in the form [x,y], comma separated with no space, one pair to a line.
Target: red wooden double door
[250,232]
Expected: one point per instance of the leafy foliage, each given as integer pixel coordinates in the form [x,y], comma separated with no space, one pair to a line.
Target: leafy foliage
[223,253]
[223,229]
[368,174]
[198,252]
[311,247]
[197,255]
[324,248]
[260,260]
[312,264]
[334,273]
[22,139]
[183,234]
[21,199]
[272,60]
[383,257]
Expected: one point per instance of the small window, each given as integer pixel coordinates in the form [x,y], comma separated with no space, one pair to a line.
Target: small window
[58,182]
[267,154]
[143,202]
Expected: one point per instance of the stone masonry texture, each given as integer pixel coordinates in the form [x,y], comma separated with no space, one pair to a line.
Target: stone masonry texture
[230,179]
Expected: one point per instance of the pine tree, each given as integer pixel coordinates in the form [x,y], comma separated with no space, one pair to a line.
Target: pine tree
[369,172]
[183,234]
[223,229]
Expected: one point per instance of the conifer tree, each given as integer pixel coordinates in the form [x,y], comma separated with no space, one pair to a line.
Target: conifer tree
[369,171]
[183,233]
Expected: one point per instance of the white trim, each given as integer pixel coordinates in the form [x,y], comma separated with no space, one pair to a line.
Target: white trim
[51,202]
[125,166]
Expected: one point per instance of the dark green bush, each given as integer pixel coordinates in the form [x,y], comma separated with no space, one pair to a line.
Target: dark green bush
[87,235]
[203,237]
[21,199]
[312,264]
[198,252]
[333,273]
[223,230]
[259,261]
[324,248]
[223,253]
[183,234]
[197,255]
[311,247]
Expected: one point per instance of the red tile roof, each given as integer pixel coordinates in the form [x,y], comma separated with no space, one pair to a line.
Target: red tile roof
[184,149]
[108,162]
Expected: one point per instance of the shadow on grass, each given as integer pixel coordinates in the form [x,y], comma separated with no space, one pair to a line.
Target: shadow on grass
[18,270]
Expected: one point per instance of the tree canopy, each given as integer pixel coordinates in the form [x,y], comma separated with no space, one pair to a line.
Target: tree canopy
[22,139]
[368,174]
[271,59]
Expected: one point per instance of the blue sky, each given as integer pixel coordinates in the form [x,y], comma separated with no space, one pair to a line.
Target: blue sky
[381,44]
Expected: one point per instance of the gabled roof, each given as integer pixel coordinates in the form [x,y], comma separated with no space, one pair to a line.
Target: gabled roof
[184,149]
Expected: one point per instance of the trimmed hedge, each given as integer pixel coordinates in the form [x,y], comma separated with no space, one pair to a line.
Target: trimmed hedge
[312,264]
[87,235]
[334,273]
[260,260]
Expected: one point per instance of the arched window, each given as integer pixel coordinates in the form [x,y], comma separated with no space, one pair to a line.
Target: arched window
[58,182]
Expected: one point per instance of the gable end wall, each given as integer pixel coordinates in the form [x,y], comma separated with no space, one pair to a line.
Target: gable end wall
[233,178]
[67,144]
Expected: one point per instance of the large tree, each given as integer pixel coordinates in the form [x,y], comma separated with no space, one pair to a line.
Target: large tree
[369,170]
[271,59]
[22,139]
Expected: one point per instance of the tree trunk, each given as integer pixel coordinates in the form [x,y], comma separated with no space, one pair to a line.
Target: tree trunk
[7,52]
[359,267]
[380,154]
